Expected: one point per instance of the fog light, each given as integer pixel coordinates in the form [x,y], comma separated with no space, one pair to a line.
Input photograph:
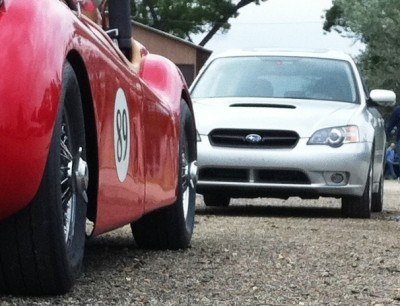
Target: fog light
[337,178]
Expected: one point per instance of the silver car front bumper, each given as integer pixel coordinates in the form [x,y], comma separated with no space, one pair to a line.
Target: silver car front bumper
[308,171]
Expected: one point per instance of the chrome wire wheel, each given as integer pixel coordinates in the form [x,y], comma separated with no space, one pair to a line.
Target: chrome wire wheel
[68,193]
[185,182]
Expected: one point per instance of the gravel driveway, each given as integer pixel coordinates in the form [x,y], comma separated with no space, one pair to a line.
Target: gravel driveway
[254,252]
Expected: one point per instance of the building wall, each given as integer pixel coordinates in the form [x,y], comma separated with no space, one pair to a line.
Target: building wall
[174,50]
[186,56]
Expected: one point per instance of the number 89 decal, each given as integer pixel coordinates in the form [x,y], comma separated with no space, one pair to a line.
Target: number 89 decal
[122,137]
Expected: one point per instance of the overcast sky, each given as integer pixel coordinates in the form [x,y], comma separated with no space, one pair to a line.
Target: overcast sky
[281,24]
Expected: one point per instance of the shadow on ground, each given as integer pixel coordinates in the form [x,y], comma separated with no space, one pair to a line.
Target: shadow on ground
[285,212]
[270,211]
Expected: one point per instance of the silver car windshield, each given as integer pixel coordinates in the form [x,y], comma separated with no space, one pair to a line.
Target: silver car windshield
[278,77]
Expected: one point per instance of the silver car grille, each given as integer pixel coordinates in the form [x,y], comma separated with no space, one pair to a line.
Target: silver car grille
[271,176]
[279,139]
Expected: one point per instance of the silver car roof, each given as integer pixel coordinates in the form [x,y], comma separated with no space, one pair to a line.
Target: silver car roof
[316,53]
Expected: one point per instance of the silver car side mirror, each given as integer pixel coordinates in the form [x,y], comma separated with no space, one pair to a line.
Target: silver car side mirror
[383,97]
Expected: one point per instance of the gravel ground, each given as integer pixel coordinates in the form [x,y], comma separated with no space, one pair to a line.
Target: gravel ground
[254,252]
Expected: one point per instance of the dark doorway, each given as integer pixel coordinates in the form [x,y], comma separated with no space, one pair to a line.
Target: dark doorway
[188,72]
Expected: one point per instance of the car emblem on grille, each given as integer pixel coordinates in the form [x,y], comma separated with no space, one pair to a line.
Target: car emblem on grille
[253,138]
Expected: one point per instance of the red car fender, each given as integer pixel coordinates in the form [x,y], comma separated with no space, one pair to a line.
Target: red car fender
[31,64]
[164,79]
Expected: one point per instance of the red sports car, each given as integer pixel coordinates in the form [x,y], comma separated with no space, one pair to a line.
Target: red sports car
[94,130]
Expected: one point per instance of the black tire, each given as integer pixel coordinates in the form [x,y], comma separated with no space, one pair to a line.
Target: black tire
[359,207]
[172,227]
[377,198]
[36,256]
[211,199]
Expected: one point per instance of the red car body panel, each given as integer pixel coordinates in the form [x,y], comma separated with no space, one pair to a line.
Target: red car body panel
[31,63]
[29,92]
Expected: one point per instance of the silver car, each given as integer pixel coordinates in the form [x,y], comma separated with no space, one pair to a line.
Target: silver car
[281,124]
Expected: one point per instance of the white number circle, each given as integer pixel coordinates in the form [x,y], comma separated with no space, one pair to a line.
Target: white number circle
[122,139]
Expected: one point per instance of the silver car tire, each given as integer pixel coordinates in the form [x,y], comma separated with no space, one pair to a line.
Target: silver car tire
[377,198]
[359,207]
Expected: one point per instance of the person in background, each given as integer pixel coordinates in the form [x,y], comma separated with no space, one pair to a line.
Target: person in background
[390,161]
[394,124]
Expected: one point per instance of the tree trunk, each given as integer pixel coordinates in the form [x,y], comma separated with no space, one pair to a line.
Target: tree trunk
[224,20]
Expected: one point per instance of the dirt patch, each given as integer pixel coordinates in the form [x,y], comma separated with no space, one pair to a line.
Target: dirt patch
[261,251]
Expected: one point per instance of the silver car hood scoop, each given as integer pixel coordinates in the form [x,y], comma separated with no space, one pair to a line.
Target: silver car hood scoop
[262,105]
[302,116]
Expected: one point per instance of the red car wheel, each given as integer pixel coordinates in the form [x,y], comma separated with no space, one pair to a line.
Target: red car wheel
[172,227]
[41,247]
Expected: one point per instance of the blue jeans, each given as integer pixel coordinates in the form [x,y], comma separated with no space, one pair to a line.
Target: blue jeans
[390,170]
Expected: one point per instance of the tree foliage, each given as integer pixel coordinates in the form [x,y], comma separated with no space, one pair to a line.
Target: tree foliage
[184,18]
[375,23]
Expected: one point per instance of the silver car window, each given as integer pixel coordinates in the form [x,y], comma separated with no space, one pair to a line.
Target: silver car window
[278,77]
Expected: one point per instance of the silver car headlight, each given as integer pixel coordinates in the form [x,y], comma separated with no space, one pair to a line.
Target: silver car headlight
[335,136]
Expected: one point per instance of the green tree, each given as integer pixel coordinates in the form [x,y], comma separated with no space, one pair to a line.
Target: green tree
[377,24]
[184,18]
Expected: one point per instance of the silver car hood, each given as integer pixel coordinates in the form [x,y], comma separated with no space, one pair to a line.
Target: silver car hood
[302,116]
